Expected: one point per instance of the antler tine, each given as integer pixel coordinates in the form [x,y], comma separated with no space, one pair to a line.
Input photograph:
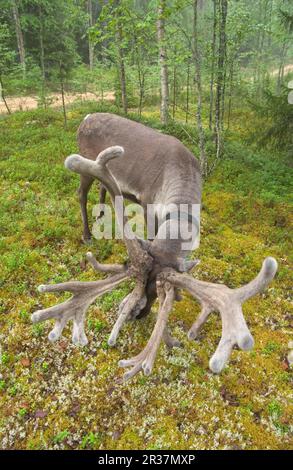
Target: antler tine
[104,268]
[145,360]
[258,284]
[130,306]
[218,297]
[84,294]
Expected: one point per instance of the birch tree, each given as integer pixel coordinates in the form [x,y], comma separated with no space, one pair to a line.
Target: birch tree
[121,62]
[213,60]
[19,35]
[111,32]
[222,6]
[90,24]
[163,62]
[197,63]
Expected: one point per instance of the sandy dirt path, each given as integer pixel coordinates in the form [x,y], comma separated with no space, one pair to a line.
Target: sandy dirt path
[24,103]
[287,69]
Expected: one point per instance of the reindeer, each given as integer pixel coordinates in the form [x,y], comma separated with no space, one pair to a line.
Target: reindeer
[150,163]
[148,167]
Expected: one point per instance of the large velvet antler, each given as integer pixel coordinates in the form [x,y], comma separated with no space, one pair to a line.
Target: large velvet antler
[228,302]
[84,293]
[213,297]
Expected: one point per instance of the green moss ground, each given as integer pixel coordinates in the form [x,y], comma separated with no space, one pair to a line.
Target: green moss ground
[55,396]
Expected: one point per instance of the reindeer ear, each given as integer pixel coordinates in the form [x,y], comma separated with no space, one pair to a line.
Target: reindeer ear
[184,265]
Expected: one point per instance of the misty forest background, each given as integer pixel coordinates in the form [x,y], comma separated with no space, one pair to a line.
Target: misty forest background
[206,60]
[216,74]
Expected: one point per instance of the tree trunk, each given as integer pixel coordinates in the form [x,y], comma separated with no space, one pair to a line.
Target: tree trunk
[258,42]
[223,96]
[281,68]
[63,95]
[197,63]
[270,14]
[213,64]
[174,87]
[187,92]
[141,79]
[42,62]
[90,24]
[163,62]
[120,54]
[220,74]
[3,95]
[19,36]
[42,51]
[231,79]
[261,60]
[122,74]
[140,74]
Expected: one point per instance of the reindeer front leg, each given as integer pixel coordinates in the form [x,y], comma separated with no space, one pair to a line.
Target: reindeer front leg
[85,185]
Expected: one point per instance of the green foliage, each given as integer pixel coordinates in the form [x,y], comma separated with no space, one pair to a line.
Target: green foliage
[22,412]
[270,348]
[96,325]
[61,436]
[112,299]
[275,409]
[57,36]
[45,366]
[4,359]
[277,115]
[6,54]
[248,169]
[91,441]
